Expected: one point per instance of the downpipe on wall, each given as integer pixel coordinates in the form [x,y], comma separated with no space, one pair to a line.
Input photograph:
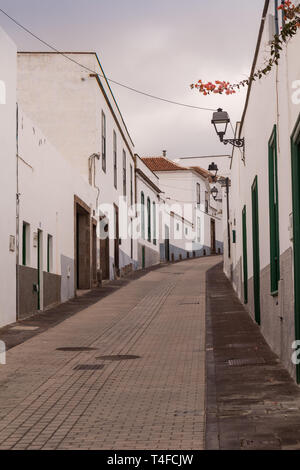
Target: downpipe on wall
[17,218]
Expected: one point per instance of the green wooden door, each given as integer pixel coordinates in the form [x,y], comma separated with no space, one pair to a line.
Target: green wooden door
[245,255]
[274,213]
[295,146]
[256,258]
[39,269]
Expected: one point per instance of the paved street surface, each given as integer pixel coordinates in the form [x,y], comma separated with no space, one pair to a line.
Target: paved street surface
[57,398]
[252,403]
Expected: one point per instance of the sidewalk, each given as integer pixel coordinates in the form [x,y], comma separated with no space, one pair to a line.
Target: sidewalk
[249,406]
[126,371]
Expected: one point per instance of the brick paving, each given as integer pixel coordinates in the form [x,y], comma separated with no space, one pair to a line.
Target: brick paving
[249,407]
[155,401]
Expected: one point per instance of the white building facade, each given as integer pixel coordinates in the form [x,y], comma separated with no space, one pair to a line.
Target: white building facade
[75,108]
[56,225]
[8,186]
[148,211]
[264,197]
[190,225]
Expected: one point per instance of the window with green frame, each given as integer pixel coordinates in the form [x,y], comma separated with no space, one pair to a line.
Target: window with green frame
[154,223]
[274,213]
[25,244]
[149,218]
[245,255]
[49,253]
[143,215]
[103,142]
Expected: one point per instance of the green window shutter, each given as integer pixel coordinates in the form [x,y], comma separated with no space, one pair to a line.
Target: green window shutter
[149,218]
[274,213]
[154,223]
[245,255]
[143,215]
[295,160]
[256,256]
[233,236]
[24,244]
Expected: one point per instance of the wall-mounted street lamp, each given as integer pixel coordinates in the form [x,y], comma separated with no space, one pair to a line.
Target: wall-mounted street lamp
[224,182]
[214,192]
[220,121]
[213,167]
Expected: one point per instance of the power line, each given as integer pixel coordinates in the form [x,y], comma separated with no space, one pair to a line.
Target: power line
[99,75]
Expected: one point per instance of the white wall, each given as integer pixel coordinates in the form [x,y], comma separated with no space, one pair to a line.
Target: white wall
[143,186]
[7,178]
[180,195]
[67,105]
[47,186]
[275,104]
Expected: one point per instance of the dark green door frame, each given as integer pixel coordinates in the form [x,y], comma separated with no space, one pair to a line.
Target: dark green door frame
[256,257]
[245,254]
[39,268]
[295,150]
[274,213]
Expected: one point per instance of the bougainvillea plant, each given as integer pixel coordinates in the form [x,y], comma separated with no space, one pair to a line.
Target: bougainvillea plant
[291,25]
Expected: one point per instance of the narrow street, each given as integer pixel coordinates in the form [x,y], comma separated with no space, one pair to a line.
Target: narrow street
[53,398]
[164,359]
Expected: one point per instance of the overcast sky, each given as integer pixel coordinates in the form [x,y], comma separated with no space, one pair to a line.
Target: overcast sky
[157,46]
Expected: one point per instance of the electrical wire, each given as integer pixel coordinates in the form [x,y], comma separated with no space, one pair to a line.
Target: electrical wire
[149,95]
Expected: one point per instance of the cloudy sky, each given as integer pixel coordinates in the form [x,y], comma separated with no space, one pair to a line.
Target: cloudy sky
[157,46]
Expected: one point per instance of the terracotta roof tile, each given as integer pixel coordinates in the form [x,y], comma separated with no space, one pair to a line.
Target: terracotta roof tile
[162,164]
[203,172]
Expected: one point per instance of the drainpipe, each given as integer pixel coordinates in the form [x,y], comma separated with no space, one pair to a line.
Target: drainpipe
[17,218]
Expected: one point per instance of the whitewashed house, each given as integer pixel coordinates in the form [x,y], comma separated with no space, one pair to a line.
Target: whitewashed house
[8,185]
[148,209]
[76,109]
[56,224]
[190,224]
[48,240]
[264,260]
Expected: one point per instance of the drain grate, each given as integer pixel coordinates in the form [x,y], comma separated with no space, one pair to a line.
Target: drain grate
[242,345]
[24,328]
[76,349]
[247,362]
[190,303]
[88,367]
[169,272]
[266,442]
[118,357]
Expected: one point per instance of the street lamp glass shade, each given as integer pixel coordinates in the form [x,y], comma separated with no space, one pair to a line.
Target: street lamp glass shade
[220,120]
[213,167]
[214,192]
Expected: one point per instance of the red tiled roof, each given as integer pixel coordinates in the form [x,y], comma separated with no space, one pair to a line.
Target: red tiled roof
[203,172]
[162,164]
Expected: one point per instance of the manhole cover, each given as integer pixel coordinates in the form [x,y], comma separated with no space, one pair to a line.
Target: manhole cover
[266,442]
[190,303]
[88,367]
[118,358]
[75,349]
[169,272]
[247,362]
[188,412]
